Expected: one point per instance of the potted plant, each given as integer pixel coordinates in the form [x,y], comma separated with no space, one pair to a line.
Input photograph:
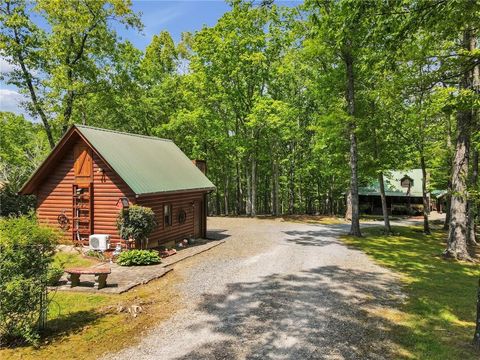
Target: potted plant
[136,222]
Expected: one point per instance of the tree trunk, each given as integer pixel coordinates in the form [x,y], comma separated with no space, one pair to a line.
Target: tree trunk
[330,199]
[217,202]
[386,218]
[249,194]
[383,198]
[275,189]
[476,336]
[426,205]
[472,207]
[457,237]
[291,187]
[239,199]
[471,227]
[27,77]
[348,212]
[254,187]
[448,196]
[225,195]
[267,194]
[350,97]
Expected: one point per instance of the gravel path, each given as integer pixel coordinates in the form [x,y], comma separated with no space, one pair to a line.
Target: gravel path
[276,290]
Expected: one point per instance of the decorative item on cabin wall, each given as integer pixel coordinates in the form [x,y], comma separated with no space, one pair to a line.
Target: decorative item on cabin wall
[122,203]
[182,216]
[63,221]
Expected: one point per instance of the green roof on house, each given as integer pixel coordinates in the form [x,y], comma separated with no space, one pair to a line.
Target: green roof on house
[147,164]
[393,186]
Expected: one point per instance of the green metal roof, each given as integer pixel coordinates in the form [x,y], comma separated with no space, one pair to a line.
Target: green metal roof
[147,164]
[438,193]
[393,186]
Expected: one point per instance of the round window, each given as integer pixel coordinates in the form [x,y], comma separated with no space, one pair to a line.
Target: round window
[182,216]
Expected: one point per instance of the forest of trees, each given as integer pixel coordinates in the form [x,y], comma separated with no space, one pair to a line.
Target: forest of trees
[293,108]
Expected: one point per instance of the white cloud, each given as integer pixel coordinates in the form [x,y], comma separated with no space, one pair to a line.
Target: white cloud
[10,100]
[5,66]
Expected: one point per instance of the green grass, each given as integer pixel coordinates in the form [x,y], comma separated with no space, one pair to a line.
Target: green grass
[437,319]
[66,260]
[314,219]
[85,326]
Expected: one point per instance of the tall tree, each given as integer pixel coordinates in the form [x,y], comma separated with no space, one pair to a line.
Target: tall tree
[65,62]
[341,28]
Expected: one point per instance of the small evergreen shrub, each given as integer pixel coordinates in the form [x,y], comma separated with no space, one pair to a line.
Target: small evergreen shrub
[138,257]
[26,253]
[136,222]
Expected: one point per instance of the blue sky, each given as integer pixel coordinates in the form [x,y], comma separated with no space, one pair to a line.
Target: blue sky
[157,15]
[173,16]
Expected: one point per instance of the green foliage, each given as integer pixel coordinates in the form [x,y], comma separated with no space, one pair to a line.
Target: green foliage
[22,147]
[95,254]
[61,66]
[136,222]
[260,94]
[10,202]
[54,274]
[138,257]
[26,252]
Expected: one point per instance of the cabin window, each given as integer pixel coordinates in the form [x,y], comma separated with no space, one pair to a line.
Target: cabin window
[406,182]
[167,214]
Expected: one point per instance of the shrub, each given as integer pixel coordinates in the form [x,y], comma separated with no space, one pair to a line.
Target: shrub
[26,252]
[138,257]
[136,222]
[95,254]
[13,203]
[54,274]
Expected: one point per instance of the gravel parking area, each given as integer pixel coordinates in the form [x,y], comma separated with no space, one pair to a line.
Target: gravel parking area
[276,290]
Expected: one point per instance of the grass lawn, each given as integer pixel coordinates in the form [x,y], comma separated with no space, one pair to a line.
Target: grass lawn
[71,259]
[87,325]
[437,320]
[314,219]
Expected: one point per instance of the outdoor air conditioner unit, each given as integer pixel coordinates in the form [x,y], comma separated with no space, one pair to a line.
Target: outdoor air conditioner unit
[99,242]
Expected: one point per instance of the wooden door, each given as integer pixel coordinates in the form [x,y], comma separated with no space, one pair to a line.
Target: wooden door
[198,219]
[83,166]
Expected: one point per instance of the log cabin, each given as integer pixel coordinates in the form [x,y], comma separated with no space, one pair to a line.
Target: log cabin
[403,192]
[92,173]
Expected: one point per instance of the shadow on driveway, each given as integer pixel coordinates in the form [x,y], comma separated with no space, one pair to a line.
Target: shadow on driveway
[321,313]
[324,236]
[217,234]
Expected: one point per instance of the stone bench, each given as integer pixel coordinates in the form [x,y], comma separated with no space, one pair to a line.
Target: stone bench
[101,274]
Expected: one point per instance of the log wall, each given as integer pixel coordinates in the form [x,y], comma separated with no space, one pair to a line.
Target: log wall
[54,196]
[179,201]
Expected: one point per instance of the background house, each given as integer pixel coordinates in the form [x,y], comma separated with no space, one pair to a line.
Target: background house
[403,190]
[92,173]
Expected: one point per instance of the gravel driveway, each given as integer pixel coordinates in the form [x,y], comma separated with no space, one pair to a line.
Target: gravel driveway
[276,290]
